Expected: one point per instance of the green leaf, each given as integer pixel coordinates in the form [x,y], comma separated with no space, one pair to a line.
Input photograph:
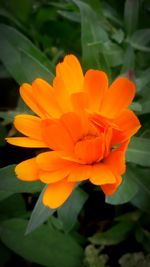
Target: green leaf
[73,16]
[5,194]
[142,198]
[96,5]
[21,58]
[55,223]
[6,14]
[143,236]
[10,183]
[94,34]
[18,40]
[133,216]
[142,81]
[33,69]
[137,107]
[8,207]
[67,213]
[145,107]
[3,72]
[145,131]
[70,210]
[113,53]
[39,214]
[142,177]
[111,14]
[118,36]
[5,254]
[21,9]
[7,116]
[140,40]
[126,191]
[44,246]
[139,151]
[114,235]
[131,13]
[128,60]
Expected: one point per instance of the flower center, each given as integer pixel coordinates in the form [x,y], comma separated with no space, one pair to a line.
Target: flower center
[90,148]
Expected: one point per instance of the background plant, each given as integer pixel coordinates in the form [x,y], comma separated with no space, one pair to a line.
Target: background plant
[113,36]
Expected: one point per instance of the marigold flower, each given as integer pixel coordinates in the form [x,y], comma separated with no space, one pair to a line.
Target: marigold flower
[87,125]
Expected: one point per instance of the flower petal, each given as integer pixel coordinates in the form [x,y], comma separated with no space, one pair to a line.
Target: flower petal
[101,174]
[27,170]
[69,157]
[51,161]
[109,189]
[25,142]
[119,96]
[95,85]
[79,101]
[128,124]
[116,162]
[73,124]
[71,74]
[80,173]
[26,92]
[57,193]
[56,135]
[54,176]
[90,150]
[29,125]
[44,95]
[62,95]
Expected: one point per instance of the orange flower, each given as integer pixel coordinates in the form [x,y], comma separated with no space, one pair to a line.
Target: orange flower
[87,124]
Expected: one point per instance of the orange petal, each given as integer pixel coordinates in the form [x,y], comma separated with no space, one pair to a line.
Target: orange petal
[128,124]
[69,157]
[108,139]
[27,170]
[80,173]
[25,142]
[109,189]
[51,161]
[56,136]
[71,74]
[123,147]
[44,95]
[119,96]
[116,162]
[62,95]
[90,150]
[26,92]
[54,176]
[73,124]
[101,174]
[29,125]
[95,85]
[79,101]
[57,193]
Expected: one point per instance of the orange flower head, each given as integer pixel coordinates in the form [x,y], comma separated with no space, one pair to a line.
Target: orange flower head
[87,125]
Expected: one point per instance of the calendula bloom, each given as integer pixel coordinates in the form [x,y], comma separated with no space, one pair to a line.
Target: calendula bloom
[85,122]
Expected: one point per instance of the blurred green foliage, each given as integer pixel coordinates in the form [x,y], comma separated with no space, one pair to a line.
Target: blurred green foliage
[113,36]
